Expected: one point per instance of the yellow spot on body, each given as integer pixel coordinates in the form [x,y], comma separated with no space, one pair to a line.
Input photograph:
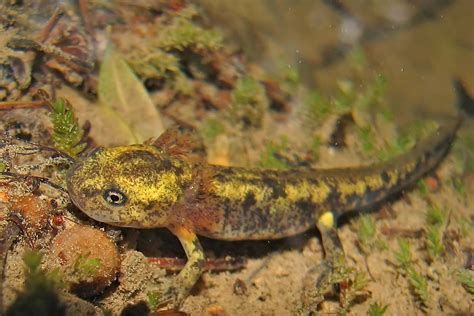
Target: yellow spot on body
[347,188]
[238,191]
[327,219]
[304,191]
[393,175]
[374,182]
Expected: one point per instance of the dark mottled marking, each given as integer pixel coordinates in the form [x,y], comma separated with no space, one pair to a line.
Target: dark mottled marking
[384,176]
[333,198]
[166,164]
[91,192]
[441,146]
[249,200]
[260,219]
[278,190]
[306,206]
[227,207]
[150,206]
[136,154]
[178,171]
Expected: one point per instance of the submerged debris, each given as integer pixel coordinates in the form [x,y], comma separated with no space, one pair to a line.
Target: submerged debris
[87,257]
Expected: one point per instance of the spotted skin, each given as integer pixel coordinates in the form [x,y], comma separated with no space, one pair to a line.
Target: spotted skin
[160,188]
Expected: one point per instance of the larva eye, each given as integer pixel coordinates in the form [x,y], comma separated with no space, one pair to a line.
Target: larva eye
[115,197]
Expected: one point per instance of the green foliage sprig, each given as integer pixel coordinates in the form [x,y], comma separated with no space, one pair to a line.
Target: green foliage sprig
[418,282]
[466,278]
[377,309]
[67,134]
[40,296]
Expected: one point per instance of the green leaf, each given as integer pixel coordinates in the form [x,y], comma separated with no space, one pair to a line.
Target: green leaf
[123,96]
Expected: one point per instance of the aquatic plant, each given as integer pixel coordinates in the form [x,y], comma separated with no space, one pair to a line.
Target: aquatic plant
[377,309]
[86,265]
[211,128]
[366,231]
[67,134]
[403,255]
[466,278]
[418,282]
[162,56]
[249,102]
[268,157]
[153,300]
[434,244]
[316,147]
[40,295]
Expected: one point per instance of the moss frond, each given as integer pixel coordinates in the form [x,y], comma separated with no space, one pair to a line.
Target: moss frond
[466,278]
[269,159]
[67,134]
[40,296]
[419,285]
[403,255]
[377,309]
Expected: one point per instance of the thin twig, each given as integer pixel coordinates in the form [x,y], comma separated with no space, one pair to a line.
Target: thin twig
[53,20]
[12,105]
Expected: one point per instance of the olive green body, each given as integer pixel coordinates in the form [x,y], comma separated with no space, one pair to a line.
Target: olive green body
[263,204]
[160,185]
[164,190]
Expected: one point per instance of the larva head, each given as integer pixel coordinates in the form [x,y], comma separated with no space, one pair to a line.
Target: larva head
[128,186]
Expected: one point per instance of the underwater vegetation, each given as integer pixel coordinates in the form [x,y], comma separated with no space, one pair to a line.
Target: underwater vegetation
[165,66]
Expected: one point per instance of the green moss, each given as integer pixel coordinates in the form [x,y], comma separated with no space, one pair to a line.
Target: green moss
[466,225]
[403,255]
[211,128]
[401,145]
[87,266]
[435,216]
[418,282]
[366,231]
[249,102]
[153,300]
[40,295]
[178,38]
[358,59]
[373,94]
[377,309]
[346,96]
[67,134]
[158,65]
[367,139]
[459,186]
[357,282]
[317,107]
[435,219]
[316,147]
[3,166]
[434,244]
[466,278]
[268,158]
[183,34]
[423,188]
[292,79]
[419,285]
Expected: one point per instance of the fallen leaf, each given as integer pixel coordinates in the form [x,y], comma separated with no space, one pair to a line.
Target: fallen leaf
[123,96]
